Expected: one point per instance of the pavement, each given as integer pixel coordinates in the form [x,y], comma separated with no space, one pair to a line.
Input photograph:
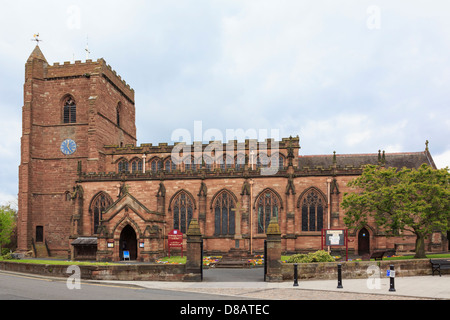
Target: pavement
[406,288]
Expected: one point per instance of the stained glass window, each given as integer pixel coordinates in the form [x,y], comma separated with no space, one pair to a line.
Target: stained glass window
[224,216]
[268,206]
[100,203]
[183,210]
[312,211]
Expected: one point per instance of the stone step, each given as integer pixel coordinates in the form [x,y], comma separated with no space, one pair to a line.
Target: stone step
[41,251]
[233,264]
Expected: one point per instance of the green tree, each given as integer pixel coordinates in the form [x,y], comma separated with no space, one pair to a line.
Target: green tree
[7,224]
[415,200]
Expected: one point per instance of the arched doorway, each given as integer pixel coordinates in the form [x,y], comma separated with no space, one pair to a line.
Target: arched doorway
[363,242]
[128,242]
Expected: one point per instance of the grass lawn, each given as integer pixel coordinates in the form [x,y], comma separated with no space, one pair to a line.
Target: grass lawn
[172,260]
[429,256]
[409,257]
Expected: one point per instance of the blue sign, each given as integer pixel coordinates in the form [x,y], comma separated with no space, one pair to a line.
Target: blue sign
[390,274]
[126,255]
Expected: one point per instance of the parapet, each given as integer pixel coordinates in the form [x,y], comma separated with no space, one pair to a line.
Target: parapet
[88,69]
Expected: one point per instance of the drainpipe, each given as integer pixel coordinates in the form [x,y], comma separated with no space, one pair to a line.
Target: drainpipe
[329,206]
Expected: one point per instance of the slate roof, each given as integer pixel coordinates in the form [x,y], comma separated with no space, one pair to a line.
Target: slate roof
[397,160]
[85,241]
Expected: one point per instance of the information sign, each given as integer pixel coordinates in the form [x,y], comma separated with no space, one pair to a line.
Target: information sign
[334,238]
[175,239]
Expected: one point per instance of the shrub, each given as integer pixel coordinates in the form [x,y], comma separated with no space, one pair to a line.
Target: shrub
[318,256]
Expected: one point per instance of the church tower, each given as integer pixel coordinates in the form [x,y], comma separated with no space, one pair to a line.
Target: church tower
[71,112]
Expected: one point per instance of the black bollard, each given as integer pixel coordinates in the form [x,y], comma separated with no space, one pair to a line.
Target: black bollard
[392,276]
[295,275]
[340,277]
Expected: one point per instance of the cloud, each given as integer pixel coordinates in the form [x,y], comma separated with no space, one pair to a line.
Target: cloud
[442,160]
[312,69]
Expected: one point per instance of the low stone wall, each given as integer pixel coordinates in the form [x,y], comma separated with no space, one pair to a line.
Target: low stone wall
[358,269]
[161,272]
[141,272]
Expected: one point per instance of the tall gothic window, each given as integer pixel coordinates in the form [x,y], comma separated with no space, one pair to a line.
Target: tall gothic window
[312,211]
[70,111]
[268,206]
[183,210]
[280,162]
[224,215]
[98,205]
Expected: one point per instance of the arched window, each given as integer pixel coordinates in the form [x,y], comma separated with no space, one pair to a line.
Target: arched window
[207,163]
[169,165]
[136,165]
[240,161]
[98,205]
[156,165]
[70,110]
[190,164]
[312,207]
[280,162]
[123,166]
[226,162]
[183,210]
[262,161]
[267,206]
[224,215]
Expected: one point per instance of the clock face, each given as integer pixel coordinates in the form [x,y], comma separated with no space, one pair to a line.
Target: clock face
[68,147]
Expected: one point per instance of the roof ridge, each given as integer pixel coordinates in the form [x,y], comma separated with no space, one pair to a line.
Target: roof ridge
[360,154]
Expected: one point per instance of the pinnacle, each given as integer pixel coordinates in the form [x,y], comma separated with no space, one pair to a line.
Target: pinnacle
[37,54]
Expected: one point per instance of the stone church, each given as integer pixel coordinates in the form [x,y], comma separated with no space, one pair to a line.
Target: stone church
[88,191]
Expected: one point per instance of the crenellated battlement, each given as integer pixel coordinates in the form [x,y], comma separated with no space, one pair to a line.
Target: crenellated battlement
[88,69]
[248,144]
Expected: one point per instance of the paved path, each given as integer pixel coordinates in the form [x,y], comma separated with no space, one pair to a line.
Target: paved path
[425,287]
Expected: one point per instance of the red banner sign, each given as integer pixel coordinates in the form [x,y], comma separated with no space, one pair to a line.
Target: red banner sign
[175,239]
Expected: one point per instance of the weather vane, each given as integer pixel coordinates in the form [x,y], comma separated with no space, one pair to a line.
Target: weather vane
[36,38]
[87,48]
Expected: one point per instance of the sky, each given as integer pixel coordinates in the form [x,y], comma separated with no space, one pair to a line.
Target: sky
[351,76]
